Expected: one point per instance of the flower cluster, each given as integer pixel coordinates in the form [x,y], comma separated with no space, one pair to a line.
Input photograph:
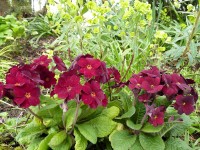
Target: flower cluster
[23,81]
[83,78]
[82,81]
[148,84]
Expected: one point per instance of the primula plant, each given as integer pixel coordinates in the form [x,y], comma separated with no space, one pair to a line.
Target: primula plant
[86,105]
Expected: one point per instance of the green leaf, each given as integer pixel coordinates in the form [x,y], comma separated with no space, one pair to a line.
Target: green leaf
[128,114]
[111,112]
[150,142]
[149,128]
[140,111]
[34,144]
[122,140]
[65,145]
[69,117]
[136,145]
[103,125]
[133,126]
[88,132]
[162,100]
[84,10]
[30,132]
[176,144]
[88,113]
[44,143]
[58,138]
[180,128]
[81,141]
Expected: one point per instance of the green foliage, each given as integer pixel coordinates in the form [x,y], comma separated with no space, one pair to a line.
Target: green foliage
[81,141]
[149,128]
[89,132]
[122,140]
[176,144]
[150,142]
[10,29]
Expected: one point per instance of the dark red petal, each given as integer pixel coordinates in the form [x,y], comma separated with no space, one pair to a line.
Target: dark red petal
[87,99]
[87,89]
[188,109]
[19,100]
[82,62]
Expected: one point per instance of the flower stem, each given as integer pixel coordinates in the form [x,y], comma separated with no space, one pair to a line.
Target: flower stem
[64,108]
[35,115]
[143,119]
[129,67]
[76,114]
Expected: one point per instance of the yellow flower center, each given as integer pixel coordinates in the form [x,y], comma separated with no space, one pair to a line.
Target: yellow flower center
[17,84]
[28,95]
[155,117]
[184,103]
[89,67]
[69,88]
[93,94]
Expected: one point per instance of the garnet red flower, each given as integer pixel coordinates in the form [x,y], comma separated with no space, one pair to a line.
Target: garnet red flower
[16,79]
[135,82]
[169,88]
[89,67]
[103,76]
[26,95]
[184,104]
[114,74]
[60,65]
[179,81]
[68,86]
[29,72]
[157,116]
[93,95]
[145,98]
[153,72]
[42,60]
[74,65]
[46,76]
[152,85]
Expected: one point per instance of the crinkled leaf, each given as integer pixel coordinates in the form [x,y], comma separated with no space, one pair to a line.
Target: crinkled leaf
[122,140]
[44,143]
[149,128]
[111,112]
[128,114]
[180,128]
[81,141]
[133,126]
[136,145]
[103,125]
[34,143]
[88,131]
[69,117]
[31,131]
[65,145]
[58,138]
[176,144]
[150,142]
